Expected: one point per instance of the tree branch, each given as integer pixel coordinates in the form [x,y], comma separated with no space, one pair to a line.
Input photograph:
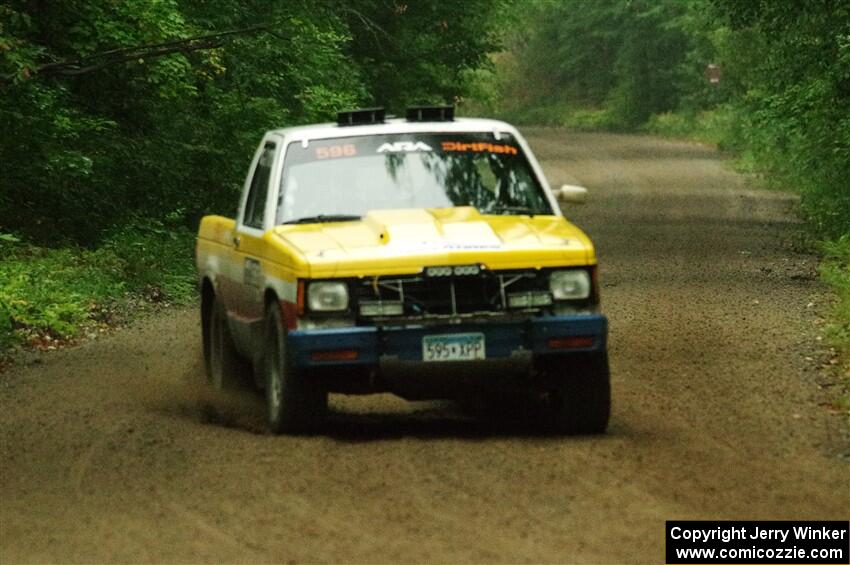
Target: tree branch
[74,69]
[109,57]
[369,24]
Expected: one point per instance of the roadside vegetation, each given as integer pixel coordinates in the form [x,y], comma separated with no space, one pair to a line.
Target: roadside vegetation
[780,101]
[125,122]
[51,294]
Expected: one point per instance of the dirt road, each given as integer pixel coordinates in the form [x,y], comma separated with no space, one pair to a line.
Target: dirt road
[113,451]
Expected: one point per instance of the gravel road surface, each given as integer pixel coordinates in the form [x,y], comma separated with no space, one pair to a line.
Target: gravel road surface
[114,451]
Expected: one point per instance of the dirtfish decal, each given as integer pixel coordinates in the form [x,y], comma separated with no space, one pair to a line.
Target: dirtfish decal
[403,146]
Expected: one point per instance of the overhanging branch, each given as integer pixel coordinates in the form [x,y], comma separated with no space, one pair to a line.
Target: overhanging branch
[103,59]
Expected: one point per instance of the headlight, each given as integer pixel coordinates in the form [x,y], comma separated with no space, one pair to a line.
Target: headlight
[327,296]
[570,285]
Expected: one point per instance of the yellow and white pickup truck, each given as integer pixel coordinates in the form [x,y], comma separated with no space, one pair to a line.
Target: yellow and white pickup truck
[424,256]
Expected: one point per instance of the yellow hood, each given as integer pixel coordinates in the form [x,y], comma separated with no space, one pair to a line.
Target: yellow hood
[404,241]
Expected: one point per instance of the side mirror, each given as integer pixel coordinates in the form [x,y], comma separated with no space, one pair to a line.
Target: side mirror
[571,193]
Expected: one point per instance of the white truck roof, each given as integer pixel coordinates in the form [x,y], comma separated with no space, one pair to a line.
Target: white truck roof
[395,125]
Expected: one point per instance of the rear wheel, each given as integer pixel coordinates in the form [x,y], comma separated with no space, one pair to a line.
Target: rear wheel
[578,394]
[294,404]
[227,369]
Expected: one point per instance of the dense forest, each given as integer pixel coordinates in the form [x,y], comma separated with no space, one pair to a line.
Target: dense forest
[124,122]
[766,80]
[781,96]
[116,111]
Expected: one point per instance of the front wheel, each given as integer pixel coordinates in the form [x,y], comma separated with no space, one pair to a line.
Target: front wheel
[293,403]
[579,394]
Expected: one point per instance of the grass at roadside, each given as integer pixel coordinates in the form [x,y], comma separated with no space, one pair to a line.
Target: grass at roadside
[708,126]
[835,271]
[553,115]
[49,295]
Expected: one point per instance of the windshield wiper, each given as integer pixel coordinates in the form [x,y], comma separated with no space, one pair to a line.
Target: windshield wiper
[323,218]
[517,209]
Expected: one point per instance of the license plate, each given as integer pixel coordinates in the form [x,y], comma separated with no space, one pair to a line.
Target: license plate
[453,347]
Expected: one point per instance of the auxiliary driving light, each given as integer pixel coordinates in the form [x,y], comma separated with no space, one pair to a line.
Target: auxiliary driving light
[463,270]
[529,299]
[438,271]
[380,308]
[458,271]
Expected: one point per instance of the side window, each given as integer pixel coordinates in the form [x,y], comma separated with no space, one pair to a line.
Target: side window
[255,207]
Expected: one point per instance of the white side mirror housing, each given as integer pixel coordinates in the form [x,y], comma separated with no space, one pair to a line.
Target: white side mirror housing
[572,194]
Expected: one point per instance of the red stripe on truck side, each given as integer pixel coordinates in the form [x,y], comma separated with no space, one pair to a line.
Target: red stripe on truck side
[289,312]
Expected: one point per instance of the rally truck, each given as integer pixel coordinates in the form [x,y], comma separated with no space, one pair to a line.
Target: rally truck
[422,255]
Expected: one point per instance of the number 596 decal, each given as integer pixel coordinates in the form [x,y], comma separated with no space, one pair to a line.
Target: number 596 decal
[335,151]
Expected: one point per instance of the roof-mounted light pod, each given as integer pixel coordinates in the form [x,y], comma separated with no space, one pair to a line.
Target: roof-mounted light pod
[361,117]
[430,114]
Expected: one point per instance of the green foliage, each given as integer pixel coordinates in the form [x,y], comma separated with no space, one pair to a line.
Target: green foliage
[835,270]
[95,137]
[783,102]
[710,126]
[56,291]
[628,57]
[421,52]
[794,97]
[157,255]
[50,290]
[648,62]
[125,122]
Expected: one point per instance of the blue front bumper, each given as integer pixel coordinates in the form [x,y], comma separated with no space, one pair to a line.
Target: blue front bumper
[540,336]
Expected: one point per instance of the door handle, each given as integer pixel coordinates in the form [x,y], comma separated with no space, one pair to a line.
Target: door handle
[237,240]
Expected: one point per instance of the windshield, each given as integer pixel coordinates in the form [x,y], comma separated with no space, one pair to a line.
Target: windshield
[341,178]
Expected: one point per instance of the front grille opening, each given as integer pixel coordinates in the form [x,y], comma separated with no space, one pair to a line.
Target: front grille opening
[485,292]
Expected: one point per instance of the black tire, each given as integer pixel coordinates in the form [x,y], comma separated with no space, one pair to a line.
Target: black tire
[579,394]
[227,369]
[293,403]
[206,328]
